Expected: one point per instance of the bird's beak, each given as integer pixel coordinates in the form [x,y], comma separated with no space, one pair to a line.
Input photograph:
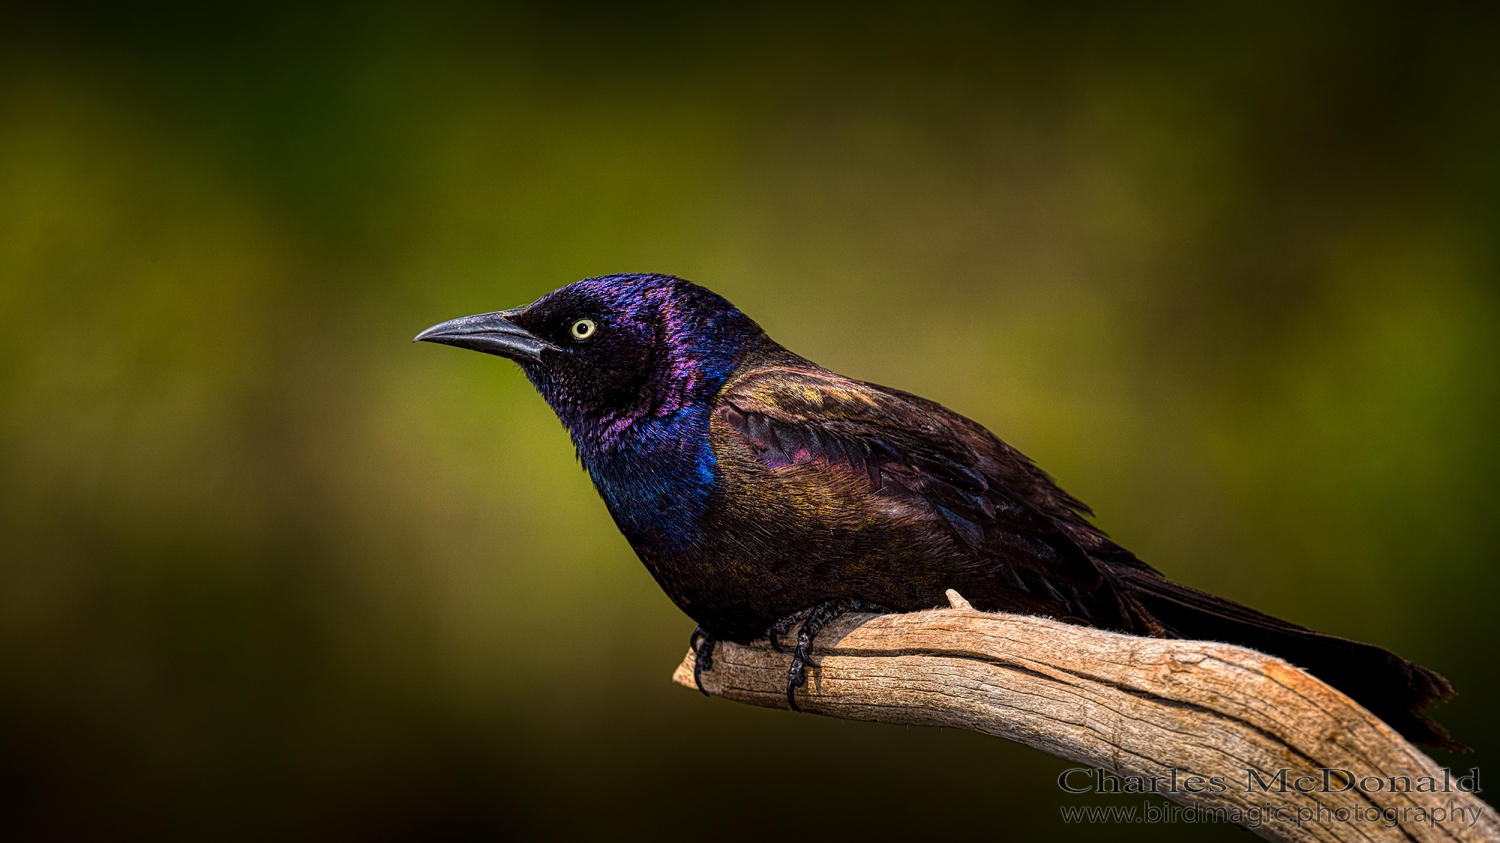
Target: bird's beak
[491,333]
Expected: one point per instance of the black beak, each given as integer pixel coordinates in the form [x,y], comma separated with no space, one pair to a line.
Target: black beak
[491,333]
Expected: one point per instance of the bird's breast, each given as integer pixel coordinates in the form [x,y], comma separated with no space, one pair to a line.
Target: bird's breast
[737,543]
[657,481]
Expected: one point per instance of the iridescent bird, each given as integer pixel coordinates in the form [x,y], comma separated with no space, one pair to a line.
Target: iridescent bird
[762,490]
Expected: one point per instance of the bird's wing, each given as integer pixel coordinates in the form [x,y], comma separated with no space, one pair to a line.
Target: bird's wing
[986,494]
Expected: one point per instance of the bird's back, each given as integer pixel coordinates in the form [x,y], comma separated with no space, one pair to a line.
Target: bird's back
[834,488]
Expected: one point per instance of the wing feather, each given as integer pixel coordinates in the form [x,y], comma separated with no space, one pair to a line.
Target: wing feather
[917,451]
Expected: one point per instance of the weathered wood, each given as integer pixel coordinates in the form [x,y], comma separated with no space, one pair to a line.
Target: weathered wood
[1125,705]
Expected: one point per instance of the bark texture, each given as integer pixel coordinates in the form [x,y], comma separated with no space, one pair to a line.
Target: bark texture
[1130,706]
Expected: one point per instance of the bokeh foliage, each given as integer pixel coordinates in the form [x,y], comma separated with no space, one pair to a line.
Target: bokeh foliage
[1228,271]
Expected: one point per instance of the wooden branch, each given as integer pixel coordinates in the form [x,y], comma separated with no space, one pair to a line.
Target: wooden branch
[1126,706]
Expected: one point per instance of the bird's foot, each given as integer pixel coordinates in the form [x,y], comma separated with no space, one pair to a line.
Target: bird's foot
[817,617]
[702,645]
[779,629]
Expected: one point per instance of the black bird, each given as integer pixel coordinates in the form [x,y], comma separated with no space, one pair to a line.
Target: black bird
[761,489]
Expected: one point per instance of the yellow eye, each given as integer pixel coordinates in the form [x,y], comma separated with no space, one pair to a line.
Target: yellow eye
[583,329]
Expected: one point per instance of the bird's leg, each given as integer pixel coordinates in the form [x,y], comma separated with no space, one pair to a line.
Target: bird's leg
[782,627]
[818,617]
[702,645]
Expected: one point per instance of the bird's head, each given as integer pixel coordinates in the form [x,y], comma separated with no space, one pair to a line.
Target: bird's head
[608,353]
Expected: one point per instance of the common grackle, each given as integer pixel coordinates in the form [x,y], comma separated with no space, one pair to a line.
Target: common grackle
[761,490]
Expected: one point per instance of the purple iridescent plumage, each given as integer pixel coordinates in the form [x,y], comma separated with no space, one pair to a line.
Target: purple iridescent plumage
[648,452]
[756,485]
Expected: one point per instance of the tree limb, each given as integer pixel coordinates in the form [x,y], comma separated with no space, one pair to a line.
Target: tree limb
[1128,706]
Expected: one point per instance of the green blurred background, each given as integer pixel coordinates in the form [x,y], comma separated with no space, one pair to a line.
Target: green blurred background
[1228,271]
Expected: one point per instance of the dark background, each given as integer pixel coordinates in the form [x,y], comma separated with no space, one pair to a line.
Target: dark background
[1228,271]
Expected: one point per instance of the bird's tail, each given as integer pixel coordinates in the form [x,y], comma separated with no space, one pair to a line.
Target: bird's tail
[1391,687]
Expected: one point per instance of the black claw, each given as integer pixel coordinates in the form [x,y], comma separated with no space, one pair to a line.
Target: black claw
[817,617]
[803,654]
[796,678]
[702,645]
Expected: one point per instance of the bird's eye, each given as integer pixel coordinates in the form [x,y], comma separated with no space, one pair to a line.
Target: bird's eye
[583,329]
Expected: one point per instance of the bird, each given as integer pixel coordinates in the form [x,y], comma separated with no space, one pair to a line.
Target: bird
[762,491]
